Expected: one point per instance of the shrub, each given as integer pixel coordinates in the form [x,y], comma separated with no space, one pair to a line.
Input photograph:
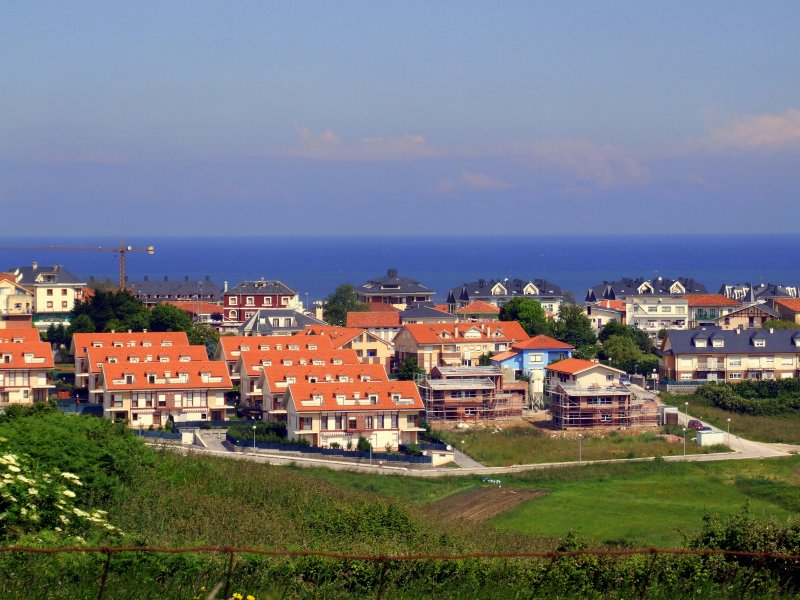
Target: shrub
[363,445]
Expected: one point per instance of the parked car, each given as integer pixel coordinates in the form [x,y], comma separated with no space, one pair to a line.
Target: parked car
[695,424]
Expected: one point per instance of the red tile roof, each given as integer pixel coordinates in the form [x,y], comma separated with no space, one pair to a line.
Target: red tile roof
[383,389]
[573,366]
[381,307]
[27,334]
[253,360]
[614,304]
[96,356]
[478,307]
[82,341]
[442,307]
[792,304]
[711,300]
[366,320]
[542,342]
[277,374]
[194,370]
[39,350]
[196,308]
[491,331]
[230,346]
[501,356]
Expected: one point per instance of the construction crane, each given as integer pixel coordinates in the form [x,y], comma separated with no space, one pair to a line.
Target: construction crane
[122,250]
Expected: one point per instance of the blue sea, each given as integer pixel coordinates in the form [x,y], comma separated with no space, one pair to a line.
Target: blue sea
[316,265]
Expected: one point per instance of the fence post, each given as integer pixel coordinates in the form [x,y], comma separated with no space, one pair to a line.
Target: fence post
[229,574]
[102,590]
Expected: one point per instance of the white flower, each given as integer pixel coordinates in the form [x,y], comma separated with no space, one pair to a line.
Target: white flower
[14,468]
[64,519]
[79,513]
[33,491]
[57,529]
[69,493]
[71,476]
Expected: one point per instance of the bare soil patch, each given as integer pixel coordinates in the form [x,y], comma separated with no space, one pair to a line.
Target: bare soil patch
[478,506]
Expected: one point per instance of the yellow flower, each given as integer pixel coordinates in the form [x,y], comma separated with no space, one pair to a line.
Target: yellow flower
[250,597]
[202,588]
[237,596]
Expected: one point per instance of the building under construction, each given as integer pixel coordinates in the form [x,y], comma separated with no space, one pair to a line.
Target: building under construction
[587,395]
[472,394]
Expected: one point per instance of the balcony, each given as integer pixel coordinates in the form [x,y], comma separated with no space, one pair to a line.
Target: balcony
[706,315]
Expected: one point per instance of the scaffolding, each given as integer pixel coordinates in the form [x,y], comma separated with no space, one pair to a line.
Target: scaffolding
[593,407]
[474,399]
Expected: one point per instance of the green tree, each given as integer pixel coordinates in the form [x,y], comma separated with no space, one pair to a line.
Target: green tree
[529,313]
[81,324]
[611,328]
[573,326]
[621,348]
[363,445]
[201,334]
[341,301]
[409,369]
[166,317]
[485,359]
[121,306]
[779,324]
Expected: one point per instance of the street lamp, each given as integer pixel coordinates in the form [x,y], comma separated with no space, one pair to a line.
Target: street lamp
[684,442]
[254,439]
[655,379]
[686,411]
[580,447]
[729,431]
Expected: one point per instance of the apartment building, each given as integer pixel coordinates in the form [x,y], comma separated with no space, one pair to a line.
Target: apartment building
[24,366]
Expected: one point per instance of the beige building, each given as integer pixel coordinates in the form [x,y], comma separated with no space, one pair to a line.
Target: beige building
[24,365]
[385,413]
[16,304]
[654,313]
[55,292]
[153,394]
[369,348]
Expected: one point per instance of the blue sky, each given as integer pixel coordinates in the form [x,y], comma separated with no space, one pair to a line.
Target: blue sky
[409,117]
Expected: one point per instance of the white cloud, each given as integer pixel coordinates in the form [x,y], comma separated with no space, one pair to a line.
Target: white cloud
[763,131]
[478,181]
[328,146]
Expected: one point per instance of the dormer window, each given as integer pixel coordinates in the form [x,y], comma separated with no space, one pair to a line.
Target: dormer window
[7,358]
[291,379]
[373,398]
[166,343]
[318,398]
[117,344]
[312,379]
[147,344]
[343,378]
[112,359]
[151,378]
[97,344]
[340,398]
[700,343]
[286,363]
[133,359]
[337,361]
[718,343]
[129,379]
[163,359]
[759,343]
[395,398]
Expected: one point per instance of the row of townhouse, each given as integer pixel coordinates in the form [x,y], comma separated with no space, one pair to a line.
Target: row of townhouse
[713,354]
[25,362]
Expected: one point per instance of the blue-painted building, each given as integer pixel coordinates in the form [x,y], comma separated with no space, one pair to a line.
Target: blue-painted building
[530,358]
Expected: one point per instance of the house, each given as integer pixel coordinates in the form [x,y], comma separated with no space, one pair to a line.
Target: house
[242,301]
[201,311]
[24,364]
[369,348]
[452,344]
[602,312]
[705,309]
[588,395]
[392,289]
[426,314]
[276,322]
[386,413]
[230,348]
[529,359]
[96,357]
[478,311]
[788,309]
[657,286]
[654,313]
[55,291]
[251,365]
[16,304]
[713,354]
[472,394]
[274,380]
[81,342]
[499,291]
[152,292]
[153,394]
[749,316]
[748,293]
[384,324]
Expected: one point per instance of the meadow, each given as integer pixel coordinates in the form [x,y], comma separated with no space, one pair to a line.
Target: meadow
[783,429]
[529,445]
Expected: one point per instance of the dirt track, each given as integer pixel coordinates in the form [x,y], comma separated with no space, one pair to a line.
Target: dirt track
[481,505]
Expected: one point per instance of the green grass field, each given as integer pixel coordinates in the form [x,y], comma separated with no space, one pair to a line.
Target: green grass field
[652,504]
[529,445]
[778,429]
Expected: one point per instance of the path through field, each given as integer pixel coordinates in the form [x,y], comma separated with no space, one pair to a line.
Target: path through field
[480,505]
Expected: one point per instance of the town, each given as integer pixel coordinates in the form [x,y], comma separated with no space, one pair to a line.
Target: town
[373,368]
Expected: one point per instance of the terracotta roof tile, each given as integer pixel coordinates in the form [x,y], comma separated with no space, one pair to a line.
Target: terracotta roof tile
[194,307]
[574,366]
[711,300]
[543,342]
[381,307]
[194,370]
[488,331]
[97,356]
[255,359]
[82,341]
[26,334]
[366,320]
[479,307]
[792,304]
[39,350]
[277,374]
[329,391]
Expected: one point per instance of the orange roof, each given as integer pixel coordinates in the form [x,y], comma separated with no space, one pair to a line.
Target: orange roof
[478,307]
[196,308]
[543,342]
[28,334]
[82,341]
[381,307]
[114,376]
[277,374]
[442,307]
[711,300]
[792,304]
[254,360]
[365,320]
[444,333]
[97,356]
[231,346]
[501,356]
[573,366]
[328,391]
[615,304]
[39,350]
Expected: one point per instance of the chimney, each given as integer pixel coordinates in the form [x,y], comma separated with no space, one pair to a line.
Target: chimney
[35,265]
[144,330]
[772,330]
[455,331]
[225,286]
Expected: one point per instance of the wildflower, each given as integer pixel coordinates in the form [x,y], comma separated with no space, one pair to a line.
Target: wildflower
[57,529]
[70,476]
[237,596]
[250,597]
[202,588]
[14,468]
[69,493]
[33,491]
[79,513]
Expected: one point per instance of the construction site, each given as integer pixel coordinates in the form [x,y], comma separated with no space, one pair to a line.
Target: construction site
[596,406]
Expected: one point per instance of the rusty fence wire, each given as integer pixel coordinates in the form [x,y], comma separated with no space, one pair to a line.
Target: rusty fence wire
[230,552]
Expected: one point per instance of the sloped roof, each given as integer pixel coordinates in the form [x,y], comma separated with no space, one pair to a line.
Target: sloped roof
[392,284]
[230,346]
[96,356]
[479,307]
[194,307]
[501,356]
[276,375]
[426,312]
[328,391]
[8,336]
[792,304]
[734,341]
[367,320]
[262,287]
[381,307]
[257,358]
[81,341]
[492,331]
[542,342]
[40,350]
[573,366]
[117,371]
[711,300]
[29,276]
[176,288]
[627,286]
[482,288]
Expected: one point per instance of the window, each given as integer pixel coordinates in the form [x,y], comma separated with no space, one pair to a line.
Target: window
[734,376]
[380,422]
[686,376]
[64,304]
[769,360]
[50,304]
[680,310]
[49,292]
[232,314]
[233,301]
[652,309]
[129,379]
[267,300]
[609,377]
[351,423]
[337,420]
[284,301]
[759,343]
[536,358]
[735,361]
[368,422]
[394,420]
[666,309]
[305,423]
[323,422]
[64,292]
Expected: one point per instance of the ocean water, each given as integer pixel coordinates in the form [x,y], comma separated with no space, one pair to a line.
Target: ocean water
[316,265]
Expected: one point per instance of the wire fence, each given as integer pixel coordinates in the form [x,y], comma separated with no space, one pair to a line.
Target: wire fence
[230,552]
